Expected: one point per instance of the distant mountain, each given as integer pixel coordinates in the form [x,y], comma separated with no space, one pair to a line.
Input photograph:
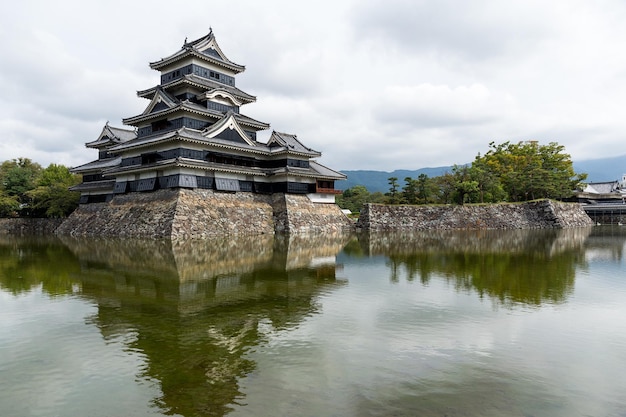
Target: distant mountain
[598,170]
[601,170]
[379,180]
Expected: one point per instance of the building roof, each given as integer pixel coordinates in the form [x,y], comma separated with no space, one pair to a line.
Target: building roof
[324,171]
[96,165]
[229,121]
[287,144]
[104,185]
[204,48]
[189,163]
[601,187]
[315,170]
[173,105]
[187,135]
[160,98]
[112,135]
[200,82]
[279,141]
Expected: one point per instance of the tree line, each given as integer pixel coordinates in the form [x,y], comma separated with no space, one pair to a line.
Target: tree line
[29,190]
[508,172]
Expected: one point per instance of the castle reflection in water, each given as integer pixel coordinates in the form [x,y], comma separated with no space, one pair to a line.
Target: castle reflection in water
[196,308]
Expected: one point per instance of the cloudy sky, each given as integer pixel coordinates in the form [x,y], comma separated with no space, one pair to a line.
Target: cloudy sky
[375,84]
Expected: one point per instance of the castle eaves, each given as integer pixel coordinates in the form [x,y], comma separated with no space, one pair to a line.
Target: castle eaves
[204,48]
[199,82]
[194,109]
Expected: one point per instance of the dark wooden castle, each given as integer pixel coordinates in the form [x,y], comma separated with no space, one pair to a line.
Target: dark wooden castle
[193,135]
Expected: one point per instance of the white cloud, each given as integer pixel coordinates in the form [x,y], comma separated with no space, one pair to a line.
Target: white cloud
[376,85]
[474,30]
[427,105]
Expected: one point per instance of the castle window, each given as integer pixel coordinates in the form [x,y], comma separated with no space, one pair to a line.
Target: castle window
[213,75]
[160,125]
[226,184]
[297,188]
[120,187]
[150,158]
[147,184]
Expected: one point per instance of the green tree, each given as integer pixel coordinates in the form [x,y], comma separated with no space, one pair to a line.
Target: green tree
[409,191]
[445,188]
[528,171]
[17,177]
[393,196]
[52,198]
[376,197]
[490,189]
[422,190]
[426,189]
[9,205]
[466,188]
[353,198]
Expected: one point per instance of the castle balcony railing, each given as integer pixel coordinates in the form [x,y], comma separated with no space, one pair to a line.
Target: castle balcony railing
[321,190]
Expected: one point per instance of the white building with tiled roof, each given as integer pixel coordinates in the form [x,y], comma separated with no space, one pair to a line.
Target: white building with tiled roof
[603,192]
[192,135]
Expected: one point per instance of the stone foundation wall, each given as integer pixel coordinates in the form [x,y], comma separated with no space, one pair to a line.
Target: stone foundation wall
[298,214]
[146,215]
[204,213]
[181,214]
[567,214]
[24,227]
[530,215]
[197,213]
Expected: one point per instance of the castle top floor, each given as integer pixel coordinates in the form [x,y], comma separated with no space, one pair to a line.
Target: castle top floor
[202,57]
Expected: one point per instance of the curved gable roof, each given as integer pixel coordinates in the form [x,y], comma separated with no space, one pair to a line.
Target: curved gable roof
[112,135]
[161,100]
[193,108]
[205,48]
[290,143]
[199,82]
[229,121]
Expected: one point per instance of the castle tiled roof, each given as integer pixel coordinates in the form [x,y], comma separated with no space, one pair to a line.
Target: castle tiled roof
[204,48]
[314,170]
[284,141]
[112,135]
[200,82]
[104,185]
[193,108]
[325,172]
[601,187]
[96,165]
[279,143]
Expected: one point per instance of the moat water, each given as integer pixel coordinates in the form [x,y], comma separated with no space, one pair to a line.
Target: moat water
[508,323]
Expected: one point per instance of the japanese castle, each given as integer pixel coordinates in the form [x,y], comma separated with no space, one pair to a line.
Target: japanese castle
[192,135]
